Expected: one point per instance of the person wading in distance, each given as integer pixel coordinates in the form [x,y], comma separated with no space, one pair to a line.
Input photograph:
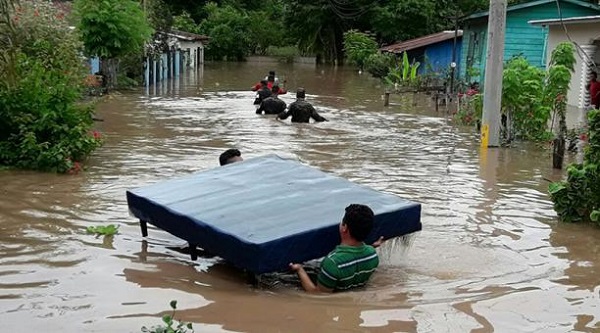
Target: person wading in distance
[301,110]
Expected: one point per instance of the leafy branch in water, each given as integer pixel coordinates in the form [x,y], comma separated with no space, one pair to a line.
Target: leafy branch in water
[169,321]
[107,230]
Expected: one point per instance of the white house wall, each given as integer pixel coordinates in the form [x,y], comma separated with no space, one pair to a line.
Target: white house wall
[582,34]
[194,47]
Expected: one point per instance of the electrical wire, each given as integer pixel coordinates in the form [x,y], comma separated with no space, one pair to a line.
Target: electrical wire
[589,61]
[347,10]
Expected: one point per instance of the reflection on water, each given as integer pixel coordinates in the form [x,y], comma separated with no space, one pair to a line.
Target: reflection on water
[491,256]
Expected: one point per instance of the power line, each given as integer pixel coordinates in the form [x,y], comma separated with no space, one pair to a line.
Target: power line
[578,48]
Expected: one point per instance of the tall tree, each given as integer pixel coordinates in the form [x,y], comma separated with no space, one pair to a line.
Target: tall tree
[111,29]
[228,29]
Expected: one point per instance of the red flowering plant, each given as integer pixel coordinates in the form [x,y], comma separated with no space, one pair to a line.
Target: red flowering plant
[43,124]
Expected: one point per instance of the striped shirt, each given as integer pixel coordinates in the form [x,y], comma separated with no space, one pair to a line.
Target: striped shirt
[348,267]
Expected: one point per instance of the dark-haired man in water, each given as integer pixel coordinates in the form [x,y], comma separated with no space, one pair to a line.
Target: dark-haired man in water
[301,110]
[350,264]
[230,156]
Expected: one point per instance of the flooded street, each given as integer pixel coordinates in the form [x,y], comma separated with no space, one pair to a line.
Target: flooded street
[491,256]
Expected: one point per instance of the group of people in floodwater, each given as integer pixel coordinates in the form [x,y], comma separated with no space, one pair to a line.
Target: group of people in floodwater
[268,102]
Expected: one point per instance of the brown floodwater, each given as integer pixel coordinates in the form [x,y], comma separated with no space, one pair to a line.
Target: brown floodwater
[491,257]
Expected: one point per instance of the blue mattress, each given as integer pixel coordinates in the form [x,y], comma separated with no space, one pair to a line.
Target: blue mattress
[265,212]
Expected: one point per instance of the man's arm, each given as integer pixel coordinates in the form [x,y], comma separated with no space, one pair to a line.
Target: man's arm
[378,242]
[283,115]
[306,282]
[314,115]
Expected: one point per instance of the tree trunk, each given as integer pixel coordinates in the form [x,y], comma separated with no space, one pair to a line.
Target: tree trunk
[109,69]
[558,153]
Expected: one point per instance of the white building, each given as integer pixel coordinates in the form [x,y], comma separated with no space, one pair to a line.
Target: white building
[191,46]
[585,33]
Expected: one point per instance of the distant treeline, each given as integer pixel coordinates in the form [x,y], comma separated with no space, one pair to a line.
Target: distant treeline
[239,28]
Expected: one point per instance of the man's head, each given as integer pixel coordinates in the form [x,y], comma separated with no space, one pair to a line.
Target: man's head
[594,76]
[358,221]
[264,83]
[300,93]
[230,156]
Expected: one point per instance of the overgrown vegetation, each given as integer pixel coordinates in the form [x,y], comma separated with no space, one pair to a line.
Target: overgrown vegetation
[530,97]
[359,47]
[170,324]
[43,125]
[577,199]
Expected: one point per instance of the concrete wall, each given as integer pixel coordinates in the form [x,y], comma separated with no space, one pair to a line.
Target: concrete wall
[583,34]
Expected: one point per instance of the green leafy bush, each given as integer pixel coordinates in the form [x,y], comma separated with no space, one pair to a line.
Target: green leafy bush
[523,98]
[379,64]
[578,198]
[42,125]
[359,47]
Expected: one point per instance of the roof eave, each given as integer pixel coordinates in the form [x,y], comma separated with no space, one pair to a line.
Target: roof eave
[531,4]
[572,20]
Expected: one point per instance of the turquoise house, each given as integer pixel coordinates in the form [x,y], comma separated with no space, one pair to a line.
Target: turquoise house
[521,38]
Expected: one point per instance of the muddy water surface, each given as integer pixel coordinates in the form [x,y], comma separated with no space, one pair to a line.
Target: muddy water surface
[491,256]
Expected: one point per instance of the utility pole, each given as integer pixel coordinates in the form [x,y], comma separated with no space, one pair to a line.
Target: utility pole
[453,63]
[492,87]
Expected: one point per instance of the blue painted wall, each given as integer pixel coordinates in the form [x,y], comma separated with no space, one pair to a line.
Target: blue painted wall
[522,38]
[439,56]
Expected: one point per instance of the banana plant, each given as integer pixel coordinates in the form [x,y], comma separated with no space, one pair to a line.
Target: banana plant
[403,75]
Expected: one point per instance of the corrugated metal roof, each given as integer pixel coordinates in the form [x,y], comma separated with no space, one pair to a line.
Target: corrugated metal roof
[531,4]
[187,35]
[568,20]
[420,42]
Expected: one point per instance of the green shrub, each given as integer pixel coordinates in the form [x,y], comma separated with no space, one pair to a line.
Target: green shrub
[379,64]
[578,198]
[358,47]
[523,98]
[42,125]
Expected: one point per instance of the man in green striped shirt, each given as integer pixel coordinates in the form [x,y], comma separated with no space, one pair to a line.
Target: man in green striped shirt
[351,263]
